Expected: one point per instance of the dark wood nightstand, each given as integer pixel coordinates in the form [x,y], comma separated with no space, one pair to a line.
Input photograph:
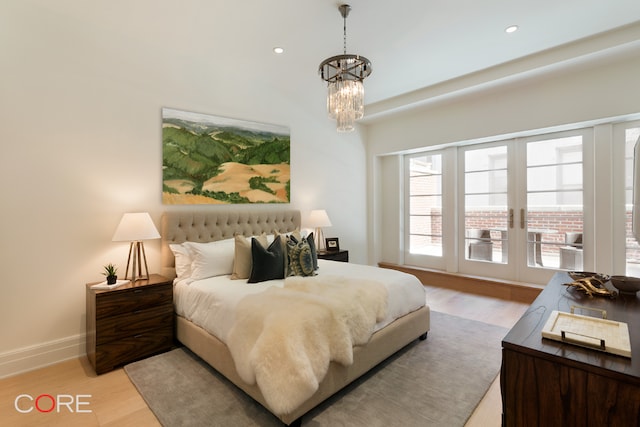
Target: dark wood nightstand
[341,255]
[130,322]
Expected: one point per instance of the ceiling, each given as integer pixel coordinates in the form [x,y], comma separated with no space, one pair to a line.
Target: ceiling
[416,43]
[412,44]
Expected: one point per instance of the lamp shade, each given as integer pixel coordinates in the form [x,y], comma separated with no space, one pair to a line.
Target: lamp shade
[319,218]
[135,227]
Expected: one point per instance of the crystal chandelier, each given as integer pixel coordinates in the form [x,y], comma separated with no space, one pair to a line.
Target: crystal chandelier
[344,75]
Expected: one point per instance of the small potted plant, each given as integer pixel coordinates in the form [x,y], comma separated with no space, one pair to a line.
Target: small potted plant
[110,271]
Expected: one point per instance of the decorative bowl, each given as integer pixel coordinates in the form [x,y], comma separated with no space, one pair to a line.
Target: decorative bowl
[626,285]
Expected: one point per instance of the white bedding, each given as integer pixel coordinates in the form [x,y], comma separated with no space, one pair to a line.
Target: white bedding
[211,303]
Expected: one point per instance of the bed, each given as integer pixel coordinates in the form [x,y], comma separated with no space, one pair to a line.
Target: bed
[201,337]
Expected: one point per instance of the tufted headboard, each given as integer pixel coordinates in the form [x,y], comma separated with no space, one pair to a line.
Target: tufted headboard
[208,226]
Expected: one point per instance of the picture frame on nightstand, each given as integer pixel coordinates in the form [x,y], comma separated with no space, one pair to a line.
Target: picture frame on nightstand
[332,244]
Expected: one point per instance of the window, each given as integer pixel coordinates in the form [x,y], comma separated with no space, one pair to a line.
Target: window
[632,248]
[523,208]
[425,205]
[516,207]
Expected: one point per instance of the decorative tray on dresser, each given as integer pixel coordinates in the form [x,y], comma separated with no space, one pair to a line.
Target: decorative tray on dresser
[128,323]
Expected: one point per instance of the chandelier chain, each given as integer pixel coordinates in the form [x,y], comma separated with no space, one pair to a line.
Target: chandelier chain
[344,40]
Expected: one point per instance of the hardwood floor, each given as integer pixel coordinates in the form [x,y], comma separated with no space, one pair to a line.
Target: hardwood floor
[495,311]
[114,401]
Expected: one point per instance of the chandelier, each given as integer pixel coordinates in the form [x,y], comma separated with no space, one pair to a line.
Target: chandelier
[344,75]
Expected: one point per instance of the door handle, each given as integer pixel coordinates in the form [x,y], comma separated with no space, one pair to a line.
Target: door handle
[522,218]
[510,218]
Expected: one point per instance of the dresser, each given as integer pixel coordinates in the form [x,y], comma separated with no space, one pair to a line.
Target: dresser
[129,322]
[550,383]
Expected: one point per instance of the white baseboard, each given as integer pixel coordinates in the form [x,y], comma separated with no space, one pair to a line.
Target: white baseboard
[41,355]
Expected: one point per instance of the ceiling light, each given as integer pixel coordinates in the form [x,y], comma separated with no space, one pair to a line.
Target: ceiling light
[511,29]
[278,50]
[344,75]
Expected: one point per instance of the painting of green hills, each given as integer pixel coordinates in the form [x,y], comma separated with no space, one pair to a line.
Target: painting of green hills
[217,160]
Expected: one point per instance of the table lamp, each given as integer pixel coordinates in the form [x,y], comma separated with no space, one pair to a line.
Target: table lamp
[318,219]
[134,228]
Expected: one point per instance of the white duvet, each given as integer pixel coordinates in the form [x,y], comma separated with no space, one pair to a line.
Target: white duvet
[211,303]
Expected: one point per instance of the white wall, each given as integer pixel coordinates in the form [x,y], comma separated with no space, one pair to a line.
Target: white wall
[583,92]
[81,93]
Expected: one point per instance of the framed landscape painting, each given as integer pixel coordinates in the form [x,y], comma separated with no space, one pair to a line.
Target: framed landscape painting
[216,160]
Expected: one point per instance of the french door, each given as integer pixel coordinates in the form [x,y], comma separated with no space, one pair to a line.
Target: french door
[521,205]
[487,238]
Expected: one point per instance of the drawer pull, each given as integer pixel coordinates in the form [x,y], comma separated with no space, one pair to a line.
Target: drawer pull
[138,336]
[137,291]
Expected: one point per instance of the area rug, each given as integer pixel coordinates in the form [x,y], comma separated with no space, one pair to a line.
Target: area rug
[436,382]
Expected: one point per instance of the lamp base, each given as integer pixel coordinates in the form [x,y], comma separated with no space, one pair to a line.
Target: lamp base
[136,256]
[319,240]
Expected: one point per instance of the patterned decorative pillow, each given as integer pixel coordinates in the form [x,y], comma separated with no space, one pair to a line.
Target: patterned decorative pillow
[300,257]
[314,252]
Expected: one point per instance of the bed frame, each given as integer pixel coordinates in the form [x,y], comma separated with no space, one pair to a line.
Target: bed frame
[211,225]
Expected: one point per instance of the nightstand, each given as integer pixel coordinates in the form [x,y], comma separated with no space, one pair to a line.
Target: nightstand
[128,323]
[341,255]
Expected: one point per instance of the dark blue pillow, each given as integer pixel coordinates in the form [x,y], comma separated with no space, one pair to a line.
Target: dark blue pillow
[268,264]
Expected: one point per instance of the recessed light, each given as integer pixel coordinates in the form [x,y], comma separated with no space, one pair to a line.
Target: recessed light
[278,50]
[511,29]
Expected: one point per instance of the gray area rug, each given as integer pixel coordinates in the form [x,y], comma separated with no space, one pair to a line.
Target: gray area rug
[436,382]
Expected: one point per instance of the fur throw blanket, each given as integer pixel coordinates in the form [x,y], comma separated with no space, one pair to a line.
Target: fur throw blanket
[283,339]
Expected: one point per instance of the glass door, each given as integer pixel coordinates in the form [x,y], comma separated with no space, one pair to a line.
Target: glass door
[627,260]
[523,207]
[555,230]
[487,220]
[554,214]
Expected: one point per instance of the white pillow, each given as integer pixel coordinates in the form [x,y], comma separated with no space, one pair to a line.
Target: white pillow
[211,259]
[183,258]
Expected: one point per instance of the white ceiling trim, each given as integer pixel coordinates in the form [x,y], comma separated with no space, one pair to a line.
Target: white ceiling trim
[608,46]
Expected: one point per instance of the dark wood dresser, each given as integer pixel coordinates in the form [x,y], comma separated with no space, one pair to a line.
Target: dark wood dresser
[129,322]
[550,383]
